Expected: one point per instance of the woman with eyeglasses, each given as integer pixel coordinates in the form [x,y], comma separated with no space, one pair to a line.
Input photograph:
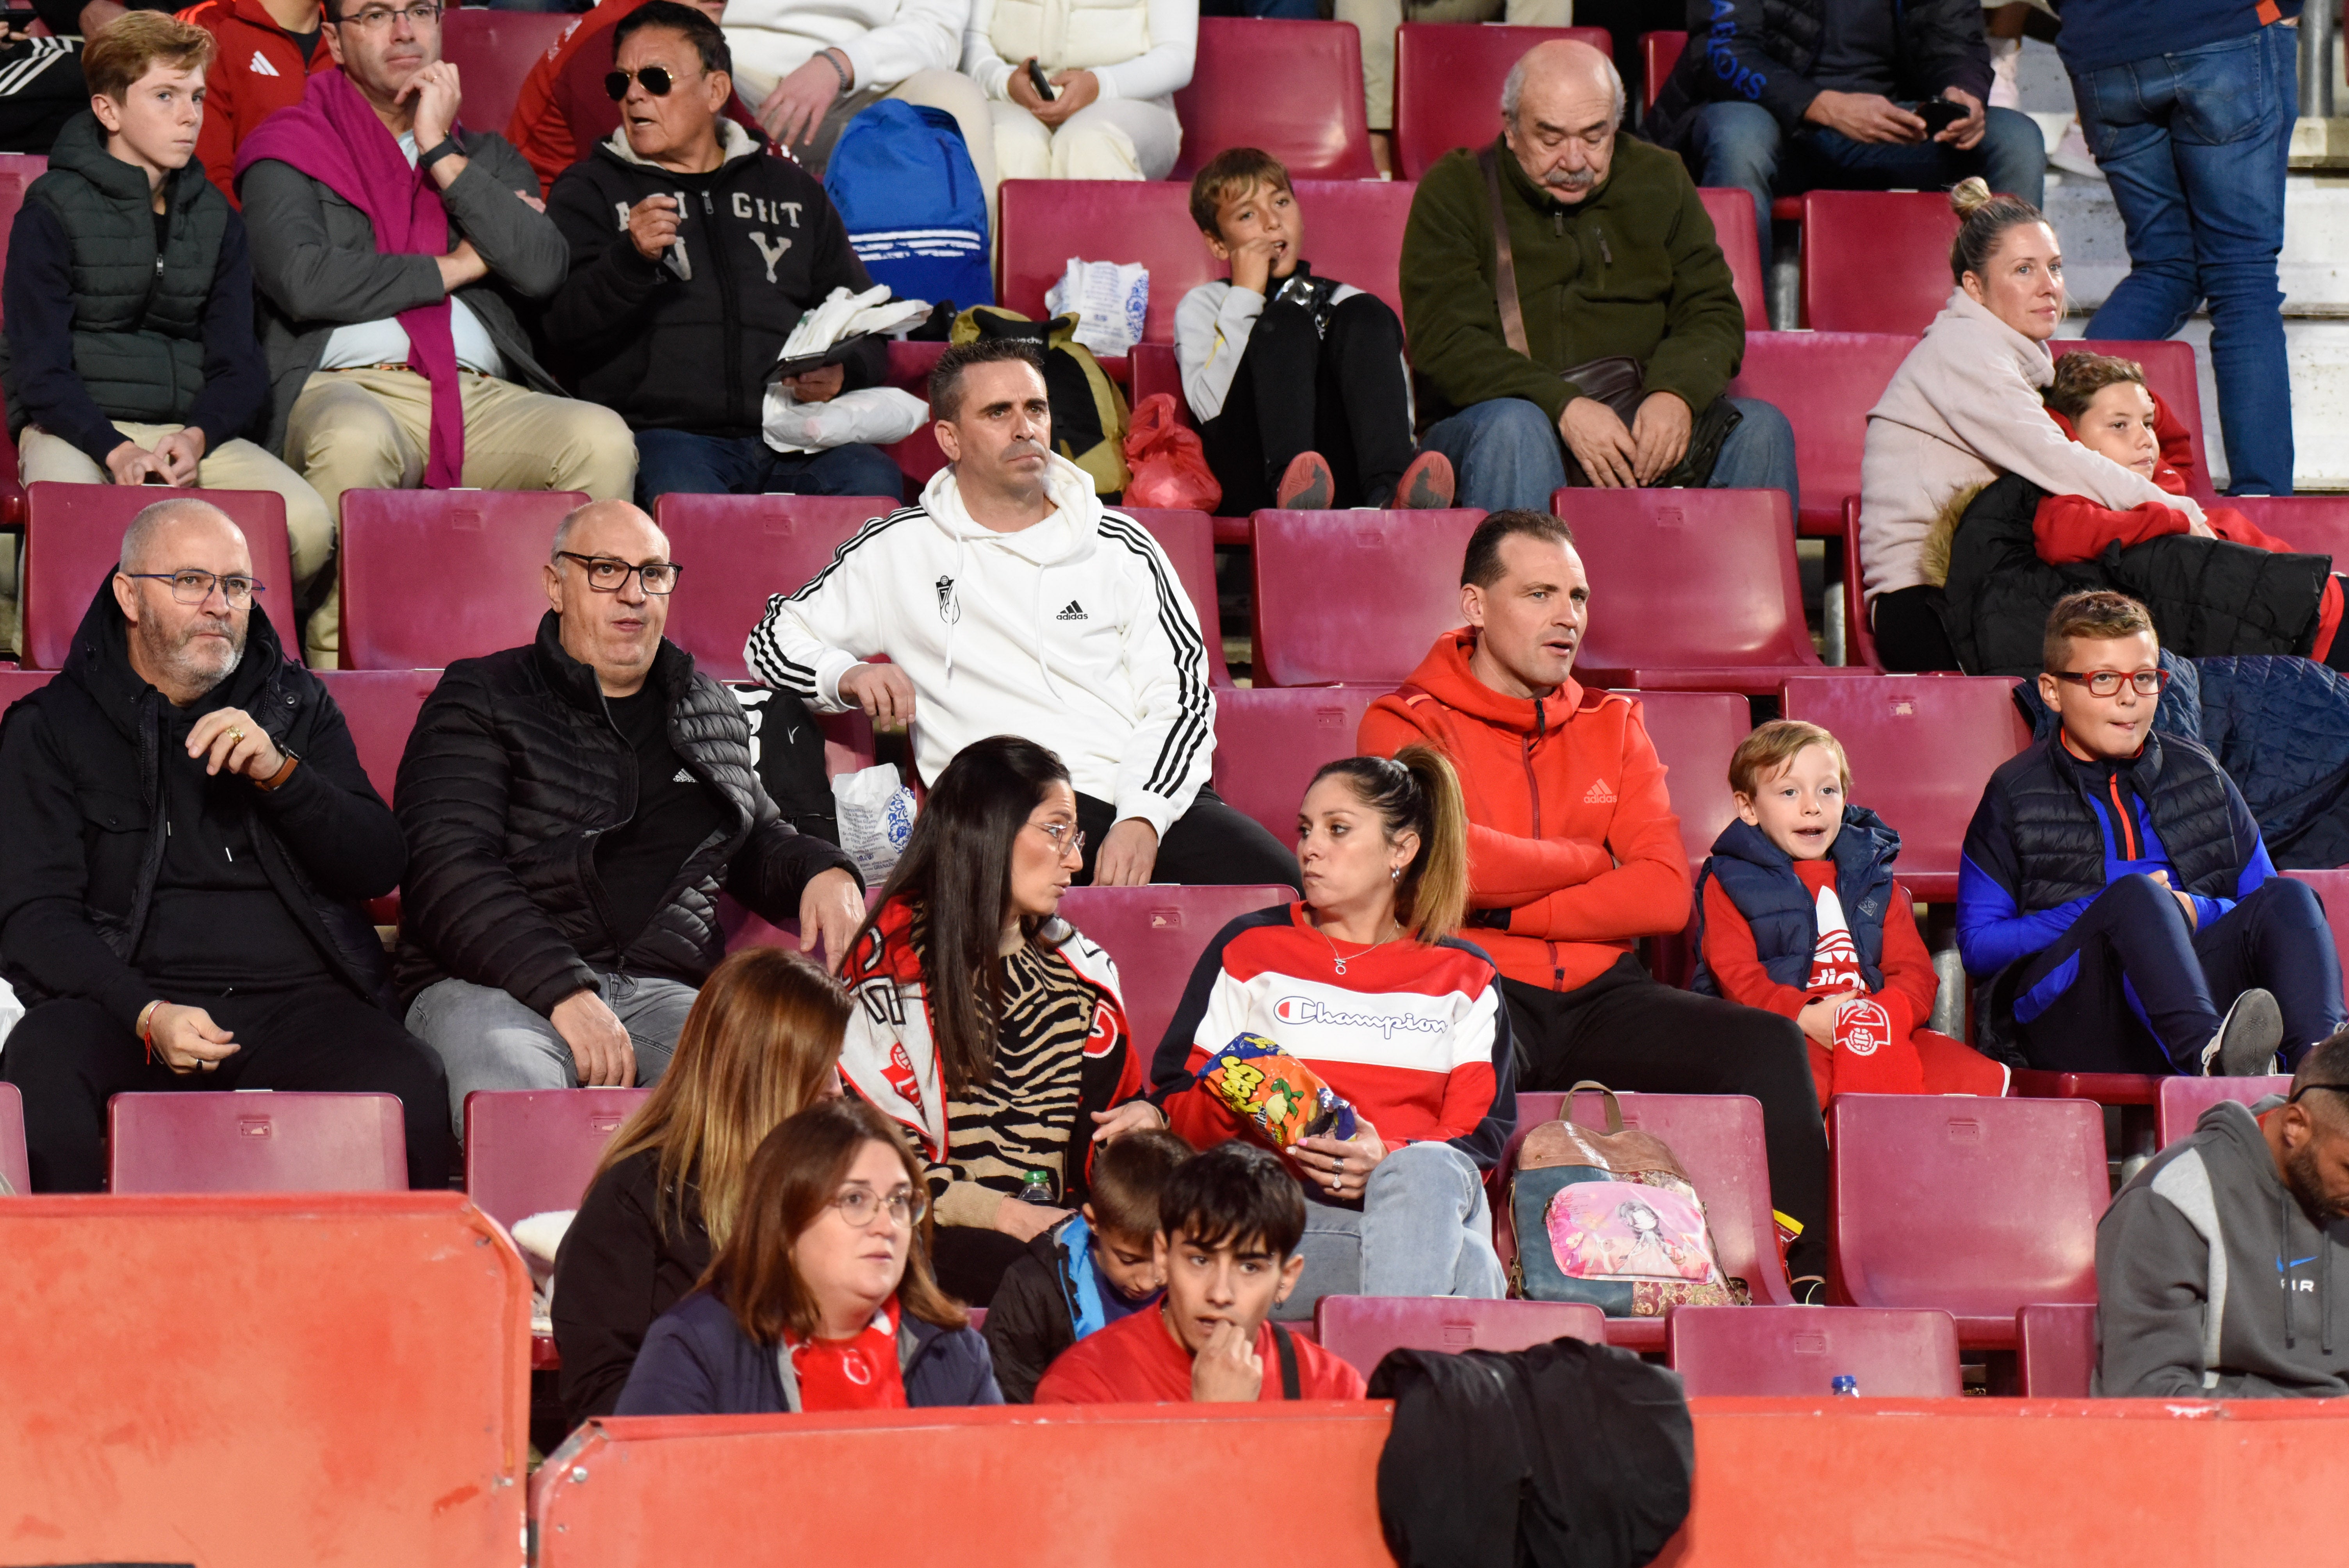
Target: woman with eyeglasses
[988,1027]
[822,1299]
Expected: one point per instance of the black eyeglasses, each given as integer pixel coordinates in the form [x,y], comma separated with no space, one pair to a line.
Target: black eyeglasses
[607,575]
[657,81]
[2104,683]
[192,587]
[2335,1087]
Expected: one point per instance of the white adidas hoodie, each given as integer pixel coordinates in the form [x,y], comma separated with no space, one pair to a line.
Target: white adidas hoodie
[1074,632]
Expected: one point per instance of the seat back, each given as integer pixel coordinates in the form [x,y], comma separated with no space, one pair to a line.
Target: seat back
[2318,524]
[532,1152]
[1354,595]
[433,576]
[1361,1329]
[2180,1101]
[1694,732]
[917,456]
[1825,383]
[1921,748]
[1875,261]
[17,171]
[1658,53]
[1974,1206]
[73,540]
[1189,538]
[267,1142]
[2333,891]
[1447,84]
[2171,374]
[16,683]
[1157,933]
[1802,1350]
[2055,1349]
[1731,213]
[1271,740]
[380,707]
[1293,88]
[1687,578]
[737,549]
[493,52]
[14,1168]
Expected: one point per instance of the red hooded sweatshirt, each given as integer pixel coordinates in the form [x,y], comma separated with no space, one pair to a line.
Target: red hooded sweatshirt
[1570,829]
[257,69]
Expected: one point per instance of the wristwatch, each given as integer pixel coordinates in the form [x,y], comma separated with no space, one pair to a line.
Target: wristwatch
[285,771]
[446,148]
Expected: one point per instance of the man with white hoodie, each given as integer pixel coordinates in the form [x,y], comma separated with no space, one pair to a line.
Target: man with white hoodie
[1010,600]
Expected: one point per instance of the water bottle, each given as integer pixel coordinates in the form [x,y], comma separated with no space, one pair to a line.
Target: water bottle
[1847,1386]
[1035,1187]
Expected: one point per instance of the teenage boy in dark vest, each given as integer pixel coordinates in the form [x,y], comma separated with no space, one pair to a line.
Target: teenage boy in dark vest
[2116,892]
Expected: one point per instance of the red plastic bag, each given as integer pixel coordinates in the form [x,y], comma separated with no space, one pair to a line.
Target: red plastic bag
[1169,465]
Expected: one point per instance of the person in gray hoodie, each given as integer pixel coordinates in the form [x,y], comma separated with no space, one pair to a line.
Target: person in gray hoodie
[2185,1253]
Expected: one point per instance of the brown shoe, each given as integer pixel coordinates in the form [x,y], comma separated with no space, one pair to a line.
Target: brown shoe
[1307,484]
[1426,486]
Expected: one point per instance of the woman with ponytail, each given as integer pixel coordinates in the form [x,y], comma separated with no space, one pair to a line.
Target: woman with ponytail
[1365,983]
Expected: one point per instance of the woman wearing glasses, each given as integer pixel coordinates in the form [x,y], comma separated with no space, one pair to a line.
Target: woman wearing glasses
[822,1299]
[987,1026]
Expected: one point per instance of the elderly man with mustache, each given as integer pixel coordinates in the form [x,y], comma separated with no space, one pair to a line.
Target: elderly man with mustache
[1584,333]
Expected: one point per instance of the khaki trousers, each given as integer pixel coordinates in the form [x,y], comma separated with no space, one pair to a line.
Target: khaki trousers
[1378,20]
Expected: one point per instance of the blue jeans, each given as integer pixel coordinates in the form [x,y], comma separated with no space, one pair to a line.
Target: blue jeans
[1742,146]
[1506,453]
[2194,145]
[688,464]
[1423,1228]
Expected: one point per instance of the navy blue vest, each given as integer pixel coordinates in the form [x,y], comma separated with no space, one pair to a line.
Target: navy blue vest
[1759,878]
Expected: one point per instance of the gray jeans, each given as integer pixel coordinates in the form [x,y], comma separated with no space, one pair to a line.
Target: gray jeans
[1423,1229]
[486,1039]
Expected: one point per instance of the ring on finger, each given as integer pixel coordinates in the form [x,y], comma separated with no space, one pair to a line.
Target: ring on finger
[236,736]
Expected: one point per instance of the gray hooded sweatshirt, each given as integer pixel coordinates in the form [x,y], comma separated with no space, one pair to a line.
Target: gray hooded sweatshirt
[2190,1259]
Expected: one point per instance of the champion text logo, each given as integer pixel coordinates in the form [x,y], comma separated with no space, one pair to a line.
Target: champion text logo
[260,66]
[1600,793]
[1074,612]
[1306,1010]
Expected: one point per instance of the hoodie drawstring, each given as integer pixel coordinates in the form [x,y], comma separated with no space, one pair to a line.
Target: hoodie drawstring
[2324,1292]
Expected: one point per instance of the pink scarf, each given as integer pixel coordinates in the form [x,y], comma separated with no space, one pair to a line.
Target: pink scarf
[333,137]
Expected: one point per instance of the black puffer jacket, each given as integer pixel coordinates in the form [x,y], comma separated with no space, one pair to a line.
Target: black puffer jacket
[513,771]
[81,804]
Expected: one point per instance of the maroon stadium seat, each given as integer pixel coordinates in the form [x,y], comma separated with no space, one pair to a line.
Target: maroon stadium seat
[1731,213]
[17,169]
[1189,538]
[1694,732]
[2169,372]
[1658,53]
[494,51]
[2316,523]
[196,1141]
[2103,1088]
[1825,383]
[1858,636]
[430,577]
[2180,1102]
[380,706]
[1293,88]
[15,683]
[1361,1329]
[532,1152]
[1156,934]
[1874,260]
[2331,891]
[917,456]
[13,1167]
[2055,1349]
[1800,1351]
[1271,740]
[1921,748]
[1354,595]
[739,549]
[1973,1206]
[1447,84]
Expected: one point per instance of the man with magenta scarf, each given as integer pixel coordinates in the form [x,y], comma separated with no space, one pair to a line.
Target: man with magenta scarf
[390,244]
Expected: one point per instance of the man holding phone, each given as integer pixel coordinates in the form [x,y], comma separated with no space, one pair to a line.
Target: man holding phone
[1844,95]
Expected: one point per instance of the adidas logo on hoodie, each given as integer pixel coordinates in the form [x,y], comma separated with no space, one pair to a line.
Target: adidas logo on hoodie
[1600,793]
[1075,612]
[260,66]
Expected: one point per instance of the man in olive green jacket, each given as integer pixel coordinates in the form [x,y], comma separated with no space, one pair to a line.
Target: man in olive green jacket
[1614,256]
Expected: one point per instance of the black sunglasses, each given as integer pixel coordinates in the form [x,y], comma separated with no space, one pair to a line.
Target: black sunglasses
[657,81]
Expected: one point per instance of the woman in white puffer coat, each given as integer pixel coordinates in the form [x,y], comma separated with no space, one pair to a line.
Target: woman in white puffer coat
[1114,66]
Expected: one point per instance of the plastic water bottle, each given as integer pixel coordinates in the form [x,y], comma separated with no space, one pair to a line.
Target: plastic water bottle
[1847,1386]
[1035,1187]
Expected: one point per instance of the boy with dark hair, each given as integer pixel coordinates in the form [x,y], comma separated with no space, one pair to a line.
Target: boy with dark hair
[1228,1223]
[1095,1268]
[1297,382]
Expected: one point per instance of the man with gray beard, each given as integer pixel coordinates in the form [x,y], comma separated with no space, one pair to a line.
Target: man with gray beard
[190,837]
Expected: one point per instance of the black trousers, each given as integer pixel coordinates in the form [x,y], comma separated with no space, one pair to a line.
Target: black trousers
[1342,395]
[68,1057]
[1906,625]
[1630,1033]
[2138,991]
[1210,845]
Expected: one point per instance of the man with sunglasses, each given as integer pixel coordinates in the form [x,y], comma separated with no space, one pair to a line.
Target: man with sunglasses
[2220,1266]
[572,808]
[2115,895]
[693,255]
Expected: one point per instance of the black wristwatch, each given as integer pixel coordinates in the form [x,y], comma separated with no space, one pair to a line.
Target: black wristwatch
[448,147]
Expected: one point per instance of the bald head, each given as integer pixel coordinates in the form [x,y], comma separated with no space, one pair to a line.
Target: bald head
[185,638]
[615,629]
[1564,66]
[1559,109]
[179,522]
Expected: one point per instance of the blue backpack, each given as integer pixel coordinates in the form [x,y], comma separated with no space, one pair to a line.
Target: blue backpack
[906,187]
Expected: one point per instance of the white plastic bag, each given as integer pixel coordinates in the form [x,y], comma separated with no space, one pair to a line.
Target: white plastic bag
[1111,300]
[874,415]
[876,818]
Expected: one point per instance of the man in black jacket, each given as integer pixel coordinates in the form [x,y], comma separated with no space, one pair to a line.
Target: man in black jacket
[574,807]
[191,835]
[1779,96]
[693,255]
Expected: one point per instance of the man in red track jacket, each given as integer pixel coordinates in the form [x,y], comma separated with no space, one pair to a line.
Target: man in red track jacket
[1575,855]
[267,49]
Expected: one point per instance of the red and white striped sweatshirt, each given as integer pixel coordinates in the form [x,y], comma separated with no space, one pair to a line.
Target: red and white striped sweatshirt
[1414,1033]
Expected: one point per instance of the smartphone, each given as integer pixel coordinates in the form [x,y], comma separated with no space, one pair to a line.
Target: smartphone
[1938,115]
[1036,79]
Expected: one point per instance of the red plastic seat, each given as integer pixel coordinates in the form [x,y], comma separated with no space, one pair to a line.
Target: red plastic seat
[1189,538]
[2100,1089]
[1973,1206]
[1363,1328]
[1875,261]
[2180,1101]
[380,707]
[1858,636]
[1802,1350]
[1447,84]
[2331,891]
[1731,213]
[2316,523]
[73,540]
[2055,1350]
[1922,748]
[1355,596]
[14,1168]
[1293,88]
[737,549]
[532,1152]
[494,51]
[433,576]
[1694,732]
[1658,53]
[1825,383]
[1156,934]
[15,683]
[917,456]
[1271,740]
[263,1142]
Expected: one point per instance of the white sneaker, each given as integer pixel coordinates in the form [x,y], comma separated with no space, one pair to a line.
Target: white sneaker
[2071,155]
[2005,84]
[2245,1045]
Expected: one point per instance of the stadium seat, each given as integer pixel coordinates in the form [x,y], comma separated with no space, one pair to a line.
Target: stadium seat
[1825,383]
[2171,374]
[195,1141]
[13,1167]
[2180,1101]
[1353,232]
[380,707]
[17,169]
[1156,934]
[73,540]
[1189,538]
[1361,1329]
[739,549]
[433,576]
[532,1152]
[1921,748]
[1858,636]
[1973,1206]
[1293,88]
[2331,891]
[1731,213]
[1692,590]
[493,50]
[1658,53]
[1694,732]
[1355,596]
[1447,84]
[15,683]
[2102,1088]
[2055,1349]
[1271,740]
[2316,523]
[1802,1350]
[1874,260]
